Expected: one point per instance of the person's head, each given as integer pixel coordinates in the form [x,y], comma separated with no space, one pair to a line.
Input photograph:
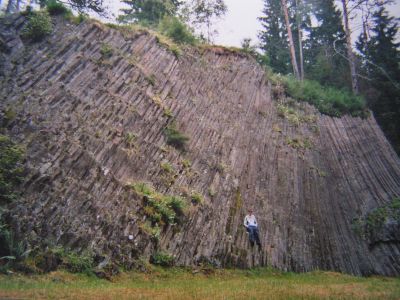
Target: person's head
[250,211]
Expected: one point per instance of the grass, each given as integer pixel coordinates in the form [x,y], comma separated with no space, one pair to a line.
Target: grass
[328,100]
[177,283]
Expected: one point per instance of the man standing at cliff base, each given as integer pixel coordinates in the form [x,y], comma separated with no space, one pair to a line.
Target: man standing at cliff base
[251,225]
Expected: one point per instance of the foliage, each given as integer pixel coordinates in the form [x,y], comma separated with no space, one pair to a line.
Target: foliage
[143,188]
[77,19]
[376,219]
[39,25]
[130,139]
[327,100]
[173,28]
[106,50]
[167,167]
[246,47]
[75,262]
[153,231]
[162,259]
[381,65]
[273,37]
[325,65]
[9,116]
[55,7]
[175,138]
[159,208]
[197,198]
[148,12]
[82,6]
[204,14]
[11,170]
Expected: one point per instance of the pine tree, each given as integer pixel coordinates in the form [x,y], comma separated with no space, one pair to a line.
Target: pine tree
[273,37]
[326,55]
[381,63]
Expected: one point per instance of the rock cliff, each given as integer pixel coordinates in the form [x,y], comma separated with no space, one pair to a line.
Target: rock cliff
[93,106]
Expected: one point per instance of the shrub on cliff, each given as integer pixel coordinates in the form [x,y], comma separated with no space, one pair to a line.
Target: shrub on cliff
[11,169]
[55,7]
[39,25]
[176,30]
[162,259]
[175,138]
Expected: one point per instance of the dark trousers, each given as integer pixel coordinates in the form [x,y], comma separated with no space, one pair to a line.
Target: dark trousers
[253,235]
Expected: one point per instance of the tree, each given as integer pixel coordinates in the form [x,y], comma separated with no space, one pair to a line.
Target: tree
[299,14]
[290,40]
[381,56]
[350,53]
[148,12]
[206,13]
[325,56]
[273,37]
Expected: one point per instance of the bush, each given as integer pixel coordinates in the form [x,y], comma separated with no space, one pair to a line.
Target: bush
[55,7]
[106,50]
[176,30]
[176,138]
[327,100]
[143,188]
[39,25]
[162,259]
[75,262]
[197,198]
[11,169]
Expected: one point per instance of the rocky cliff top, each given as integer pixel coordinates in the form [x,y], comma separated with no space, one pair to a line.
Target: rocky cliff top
[134,147]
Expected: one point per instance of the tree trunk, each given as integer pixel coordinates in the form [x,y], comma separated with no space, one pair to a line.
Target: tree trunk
[10,7]
[290,37]
[300,32]
[350,54]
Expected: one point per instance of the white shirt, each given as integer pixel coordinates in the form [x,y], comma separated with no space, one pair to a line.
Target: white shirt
[250,220]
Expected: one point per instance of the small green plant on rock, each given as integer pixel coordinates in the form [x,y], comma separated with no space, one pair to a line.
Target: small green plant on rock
[175,138]
[167,167]
[375,220]
[130,139]
[39,25]
[197,198]
[106,50]
[11,169]
[159,208]
[162,259]
[176,30]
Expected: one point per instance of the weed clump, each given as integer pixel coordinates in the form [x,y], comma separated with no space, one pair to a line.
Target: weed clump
[159,208]
[175,138]
[106,50]
[11,169]
[39,25]
[162,259]
[197,198]
[375,220]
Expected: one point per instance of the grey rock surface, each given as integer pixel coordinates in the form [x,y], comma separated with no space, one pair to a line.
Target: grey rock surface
[306,180]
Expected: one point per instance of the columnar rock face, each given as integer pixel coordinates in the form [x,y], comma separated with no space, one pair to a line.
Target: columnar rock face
[91,104]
